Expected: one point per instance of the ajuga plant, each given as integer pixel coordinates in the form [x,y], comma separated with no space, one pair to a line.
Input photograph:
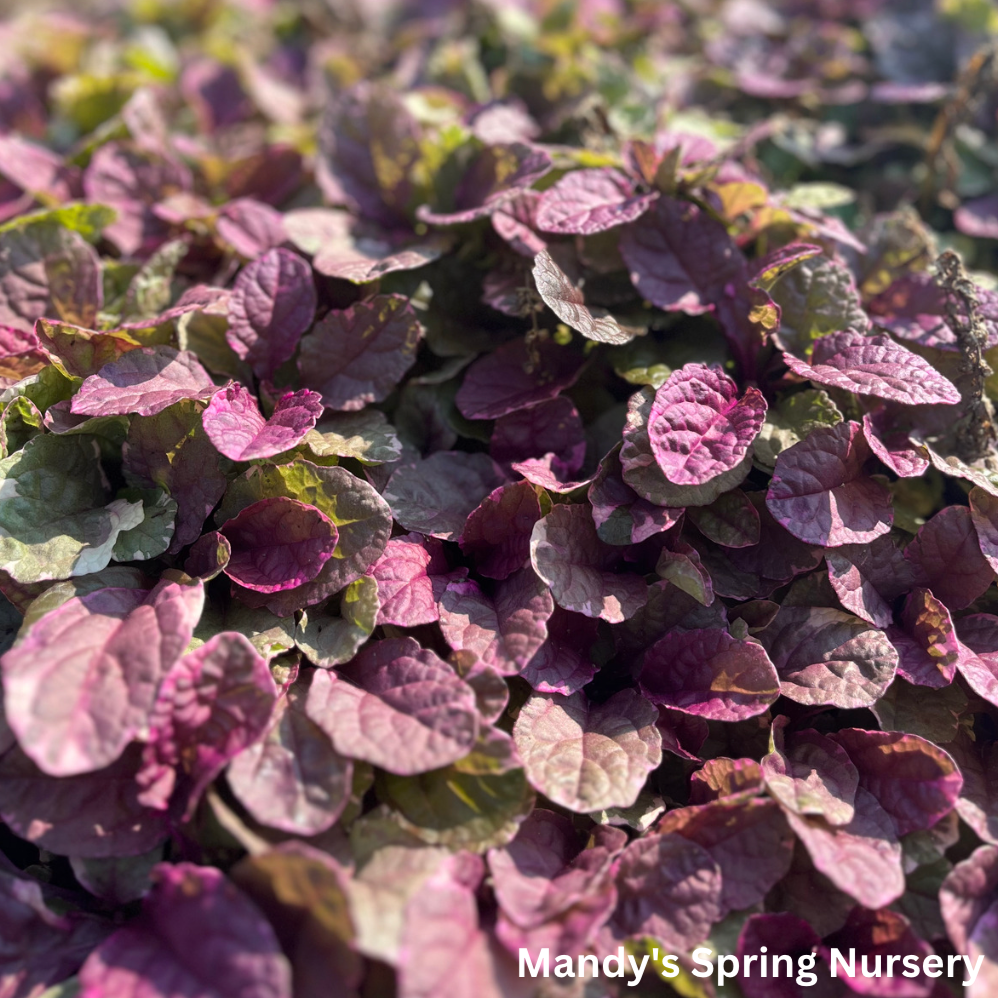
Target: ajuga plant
[480,479]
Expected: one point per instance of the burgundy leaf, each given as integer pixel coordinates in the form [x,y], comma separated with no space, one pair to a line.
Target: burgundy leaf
[397,706]
[144,382]
[585,202]
[238,430]
[710,673]
[874,365]
[359,355]
[272,304]
[278,543]
[497,534]
[819,493]
[699,428]
[405,590]
[569,556]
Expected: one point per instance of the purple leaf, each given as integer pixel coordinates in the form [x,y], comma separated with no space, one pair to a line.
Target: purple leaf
[862,858]
[926,643]
[496,174]
[505,630]
[747,837]
[621,516]
[40,948]
[967,893]
[278,543]
[947,555]
[250,227]
[680,258]
[819,492]
[361,516]
[893,445]
[343,247]
[569,556]
[868,578]
[82,683]
[405,590]
[236,427]
[914,781]
[444,953]
[873,935]
[567,302]
[709,673]
[730,520]
[397,706]
[682,734]
[359,355]
[368,143]
[874,365]
[272,304]
[516,221]
[292,778]
[552,427]
[197,934]
[585,202]
[978,218]
[497,534]
[507,379]
[670,888]
[774,265]
[144,382]
[642,472]
[588,756]
[978,661]
[94,815]
[436,496]
[984,515]
[809,773]
[776,934]
[131,182]
[172,451]
[825,656]
[546,882]
[699,428]
[563,663]
[211,705]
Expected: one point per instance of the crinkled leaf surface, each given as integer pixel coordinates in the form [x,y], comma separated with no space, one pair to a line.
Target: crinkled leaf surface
[396,705]
[711,674]
[874,365]
[585,202]
[359,355]
[83,682]
[144,382]
[819,492]
[236,426]
[568,303]
[699,428]
[497,533]
[567,554]
[588,756]
[825,656]
[272,304]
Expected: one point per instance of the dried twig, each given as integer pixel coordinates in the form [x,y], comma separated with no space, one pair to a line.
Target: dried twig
[976,434]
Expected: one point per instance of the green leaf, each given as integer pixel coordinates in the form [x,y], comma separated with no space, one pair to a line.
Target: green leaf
[475,804]
[153,535]
[53,520]
[791,421]
[366,435]
[20,420]
[150,290]
[334,634]
[89,220]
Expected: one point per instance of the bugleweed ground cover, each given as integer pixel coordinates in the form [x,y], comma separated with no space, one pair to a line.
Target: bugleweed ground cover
[494,476]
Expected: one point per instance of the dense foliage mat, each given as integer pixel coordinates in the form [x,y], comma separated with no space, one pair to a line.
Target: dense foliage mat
[492,476]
